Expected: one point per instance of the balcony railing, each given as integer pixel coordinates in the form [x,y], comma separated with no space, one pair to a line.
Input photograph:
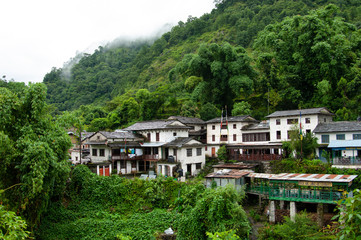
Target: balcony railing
[255,157]
[126,157]
[347,161]
[304,195]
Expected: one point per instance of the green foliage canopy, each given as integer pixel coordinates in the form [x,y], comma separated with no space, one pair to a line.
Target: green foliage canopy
[33,152]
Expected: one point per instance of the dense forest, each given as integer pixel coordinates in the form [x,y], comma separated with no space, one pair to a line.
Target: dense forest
[253,56]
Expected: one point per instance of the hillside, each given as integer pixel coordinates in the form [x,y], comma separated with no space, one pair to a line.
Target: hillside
[273,77]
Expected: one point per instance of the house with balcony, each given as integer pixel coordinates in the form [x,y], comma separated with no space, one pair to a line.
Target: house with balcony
[342,140]
[168,144]
[255,144]
[119,150]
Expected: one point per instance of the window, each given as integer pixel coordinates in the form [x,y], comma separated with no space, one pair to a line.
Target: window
[234,137]
[324,120]
[224,137]
[278,121]
[256,137]
[202,127]
[234,126]
[340,136]
[155,150]
[148,136]
[157,136]
[224,126]
[101,152]
[356,136]
[189,152]
[174,134]
[292,121]
[213,127]
[278,134]
[198,166]
[308,130]
[213,138]
[325,138]
[307,120]
[95,152]
[76,158]
[98,137]
[199,151]
[134,164]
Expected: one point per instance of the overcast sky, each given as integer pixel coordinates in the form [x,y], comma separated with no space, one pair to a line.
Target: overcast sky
[36,35]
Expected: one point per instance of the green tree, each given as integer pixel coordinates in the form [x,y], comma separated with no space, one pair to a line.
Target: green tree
[349,216]
[295,55]
[217,210]
[12,226]
[222,153]
[209,111]
[304,145]
[241,108]
[225,70]
[33,153]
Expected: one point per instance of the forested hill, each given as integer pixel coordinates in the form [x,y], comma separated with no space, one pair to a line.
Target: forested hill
[311,58]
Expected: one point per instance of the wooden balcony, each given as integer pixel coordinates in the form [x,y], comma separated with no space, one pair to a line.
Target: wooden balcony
[255,157]
[127,158]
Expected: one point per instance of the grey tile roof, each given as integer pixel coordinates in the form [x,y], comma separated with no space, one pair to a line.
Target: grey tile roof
[309,111]
[244,118]
[188,120]
[341,126]
[257,126]
[179,142]
[155,124]
[118,134]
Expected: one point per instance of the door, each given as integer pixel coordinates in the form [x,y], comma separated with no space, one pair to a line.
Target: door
[213,152]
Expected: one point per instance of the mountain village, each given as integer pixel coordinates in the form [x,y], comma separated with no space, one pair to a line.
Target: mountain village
[178,147]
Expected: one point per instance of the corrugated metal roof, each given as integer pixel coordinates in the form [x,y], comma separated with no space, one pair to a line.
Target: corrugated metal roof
[344,143]
[260,175]
[313,177]
[228,173]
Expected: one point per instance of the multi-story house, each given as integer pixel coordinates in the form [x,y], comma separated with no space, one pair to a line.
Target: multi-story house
[168,144]
[283,122]
[226,133]
[119,150]
[340,139]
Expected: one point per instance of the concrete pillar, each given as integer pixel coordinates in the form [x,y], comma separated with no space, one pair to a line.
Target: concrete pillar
[163,170]
[260,201]
[272,212]
[320,211]
[282,204]
[171,171]
[110,169]
[118,167]
[293,211]
[98,170]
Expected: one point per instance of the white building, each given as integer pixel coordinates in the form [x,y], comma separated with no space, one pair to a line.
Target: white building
[282,122]
[229,133]
[342,139]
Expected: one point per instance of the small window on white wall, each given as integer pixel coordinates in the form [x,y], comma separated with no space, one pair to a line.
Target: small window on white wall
[189,152]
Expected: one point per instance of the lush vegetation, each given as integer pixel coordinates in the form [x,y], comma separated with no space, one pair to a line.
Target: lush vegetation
[98,207]
[33,153]
[258,56]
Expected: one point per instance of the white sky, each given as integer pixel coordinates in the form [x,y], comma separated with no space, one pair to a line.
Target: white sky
[36,35]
